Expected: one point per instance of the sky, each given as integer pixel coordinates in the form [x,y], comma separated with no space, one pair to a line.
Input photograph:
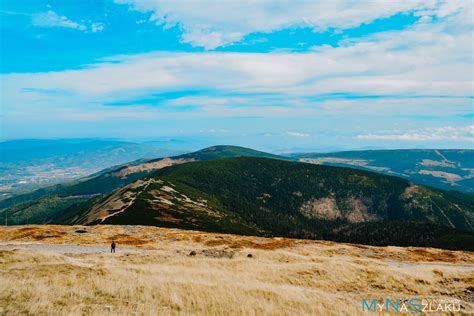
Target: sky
[277,75]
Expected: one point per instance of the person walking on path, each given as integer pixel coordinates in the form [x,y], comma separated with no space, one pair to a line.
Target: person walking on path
[112,247]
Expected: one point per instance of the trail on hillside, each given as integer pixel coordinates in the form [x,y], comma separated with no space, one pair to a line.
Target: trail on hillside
[68,248]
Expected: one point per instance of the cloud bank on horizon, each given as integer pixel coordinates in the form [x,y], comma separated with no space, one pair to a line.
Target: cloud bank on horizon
[270,74]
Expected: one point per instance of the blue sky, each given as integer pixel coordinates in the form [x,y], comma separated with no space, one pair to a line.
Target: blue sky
[275,75]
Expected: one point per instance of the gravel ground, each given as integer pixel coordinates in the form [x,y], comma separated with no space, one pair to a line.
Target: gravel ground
[436,264]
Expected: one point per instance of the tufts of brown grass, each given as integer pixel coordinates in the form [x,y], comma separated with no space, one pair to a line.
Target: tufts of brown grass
[255,243]
[435,254]
[35,233]
[124,239]
[240,242]
[266,244]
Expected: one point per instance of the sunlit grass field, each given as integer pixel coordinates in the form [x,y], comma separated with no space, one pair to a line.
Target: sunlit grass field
[156,271]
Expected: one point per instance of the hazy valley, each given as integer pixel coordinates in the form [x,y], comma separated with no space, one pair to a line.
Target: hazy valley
[29,164]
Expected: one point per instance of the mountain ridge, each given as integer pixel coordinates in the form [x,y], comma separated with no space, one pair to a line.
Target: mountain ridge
[262,196]
[42,205]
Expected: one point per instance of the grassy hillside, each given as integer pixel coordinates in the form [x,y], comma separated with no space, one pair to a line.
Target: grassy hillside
[221,151]
[280,198]
[448,169]
[62,272]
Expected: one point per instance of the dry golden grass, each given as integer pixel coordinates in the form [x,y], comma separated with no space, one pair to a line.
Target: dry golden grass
[153,273]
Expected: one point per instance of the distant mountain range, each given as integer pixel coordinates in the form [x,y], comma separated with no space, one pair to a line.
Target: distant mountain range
[239,190]
[29,164]
[448,169]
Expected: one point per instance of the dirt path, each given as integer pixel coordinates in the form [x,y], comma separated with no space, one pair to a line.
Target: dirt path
[130,203]
[442,156]
[68,248]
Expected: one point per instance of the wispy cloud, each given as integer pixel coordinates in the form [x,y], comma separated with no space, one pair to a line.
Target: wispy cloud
[446,133]
[297,134]
[425,60]
[214,130]
[52,19]
[211,24]
[97,27]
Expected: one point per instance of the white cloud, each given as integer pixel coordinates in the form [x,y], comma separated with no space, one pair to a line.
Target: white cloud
[441,66]
[52,19]
[406,69]
[297,134]
[211,24]
[446,133]
[97,27]
[424,60]
[210,39]
[213,130]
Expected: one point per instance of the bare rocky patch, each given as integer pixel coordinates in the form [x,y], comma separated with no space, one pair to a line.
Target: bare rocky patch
[323,208]
[435,163]
[360,212]
[452,177]
[166,162]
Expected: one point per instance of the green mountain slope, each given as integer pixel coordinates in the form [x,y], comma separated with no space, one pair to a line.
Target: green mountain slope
[448,169]
[275,197]
[223,151]
[43,205]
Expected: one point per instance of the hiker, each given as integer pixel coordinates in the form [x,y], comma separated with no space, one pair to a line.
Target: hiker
[112,247]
